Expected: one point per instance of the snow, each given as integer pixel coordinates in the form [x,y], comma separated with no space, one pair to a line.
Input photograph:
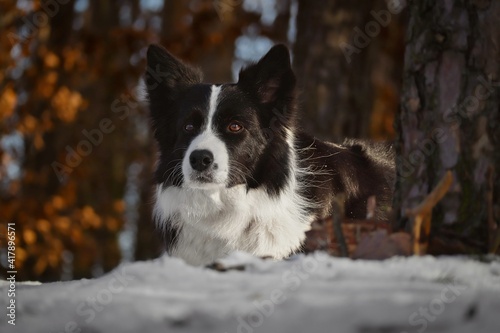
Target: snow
[314,293]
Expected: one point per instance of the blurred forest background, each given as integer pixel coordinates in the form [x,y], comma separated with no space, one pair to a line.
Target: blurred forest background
[69,71]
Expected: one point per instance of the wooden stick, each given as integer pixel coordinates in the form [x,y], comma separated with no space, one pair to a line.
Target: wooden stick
[422,214]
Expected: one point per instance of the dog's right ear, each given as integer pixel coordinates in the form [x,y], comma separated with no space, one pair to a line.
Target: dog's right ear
[166,74]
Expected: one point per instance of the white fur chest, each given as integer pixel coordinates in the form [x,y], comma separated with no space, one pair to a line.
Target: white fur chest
[215,222]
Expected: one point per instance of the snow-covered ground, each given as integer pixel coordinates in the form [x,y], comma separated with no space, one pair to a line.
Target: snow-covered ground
[314,293]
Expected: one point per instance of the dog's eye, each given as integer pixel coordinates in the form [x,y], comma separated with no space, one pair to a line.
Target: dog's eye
[189,128]
[234,127]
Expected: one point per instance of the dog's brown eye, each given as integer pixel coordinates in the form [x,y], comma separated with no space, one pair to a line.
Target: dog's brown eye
[234,127]
[189,128]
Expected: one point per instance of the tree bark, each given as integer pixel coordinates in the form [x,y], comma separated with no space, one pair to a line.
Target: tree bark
[336,94]
[449,120]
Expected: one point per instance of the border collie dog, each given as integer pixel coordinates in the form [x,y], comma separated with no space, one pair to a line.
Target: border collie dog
[236,173]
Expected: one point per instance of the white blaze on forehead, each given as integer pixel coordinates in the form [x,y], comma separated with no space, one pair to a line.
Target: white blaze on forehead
[212,105]
[207,139]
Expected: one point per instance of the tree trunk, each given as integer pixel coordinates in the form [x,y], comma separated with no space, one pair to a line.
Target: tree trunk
[450,120]
[336,94]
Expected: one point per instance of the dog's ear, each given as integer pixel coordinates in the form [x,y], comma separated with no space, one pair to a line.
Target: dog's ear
[165,73]
[270,79]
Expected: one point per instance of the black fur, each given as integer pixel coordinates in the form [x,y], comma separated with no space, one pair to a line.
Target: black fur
[358,169]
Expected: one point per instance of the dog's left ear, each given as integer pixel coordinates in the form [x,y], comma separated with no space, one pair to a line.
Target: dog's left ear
[272,78]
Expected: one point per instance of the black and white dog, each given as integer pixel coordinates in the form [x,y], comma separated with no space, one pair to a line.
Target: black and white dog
[236,173]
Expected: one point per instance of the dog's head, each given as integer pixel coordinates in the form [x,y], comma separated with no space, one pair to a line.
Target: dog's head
[225,134]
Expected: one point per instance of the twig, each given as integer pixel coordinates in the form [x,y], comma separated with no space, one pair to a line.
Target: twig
[423,214]
[371,205]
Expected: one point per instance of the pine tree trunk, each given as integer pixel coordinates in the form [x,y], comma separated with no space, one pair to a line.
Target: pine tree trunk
[336,94]
[450,120]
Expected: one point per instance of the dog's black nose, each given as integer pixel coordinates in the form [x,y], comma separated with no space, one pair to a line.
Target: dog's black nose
[201,160]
